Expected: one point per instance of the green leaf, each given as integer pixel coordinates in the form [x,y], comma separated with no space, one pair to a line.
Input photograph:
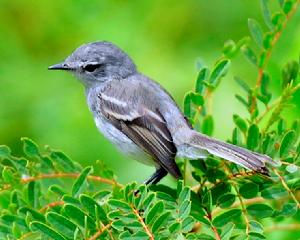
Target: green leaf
[264,88]
[118,225]
[227,231]
[268,40]
[208,125]
[292,168]
[93,208]
[224,218]
[240,123]
[184,209]
[197,99]
[202,76]
[60,223]
[256,236]
[175,227]
[154,211]
[242,100]
[7,175]
[57,189]
[188,224]
[79,183]
[70,199]
[34,213]
[65,163]
[33,193]
[248,190]
[260,210]
[78,216]
[160,221]
[185,194]
[9,219]
[287,6]
[236,137]
[249,54]
[267,13]
[229,48]
[114,203]
[253,137]
[46,230]
[288,210]
[274,193]
[226,200]
[289,73]
[286,143]
[256,226]
[243,84]
[220,70]
[139,235]
[30,148]
[187,105]
[5,152]
[201,236]
[256,31]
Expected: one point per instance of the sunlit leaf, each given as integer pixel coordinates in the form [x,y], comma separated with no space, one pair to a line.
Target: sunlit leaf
[256,31]
[46,230]
[260,210]
[79,183]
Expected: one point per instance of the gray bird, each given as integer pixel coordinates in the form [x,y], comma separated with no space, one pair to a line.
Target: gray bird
[140,117]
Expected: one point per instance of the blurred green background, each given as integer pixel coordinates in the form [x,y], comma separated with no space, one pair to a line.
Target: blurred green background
[165,39]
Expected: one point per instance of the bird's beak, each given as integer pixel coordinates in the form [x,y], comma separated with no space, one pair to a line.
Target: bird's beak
[59,66]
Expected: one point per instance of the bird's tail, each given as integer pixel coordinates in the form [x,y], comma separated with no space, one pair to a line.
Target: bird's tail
[241,156]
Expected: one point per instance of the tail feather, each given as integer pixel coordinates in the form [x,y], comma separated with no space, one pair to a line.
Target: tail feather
[241,156]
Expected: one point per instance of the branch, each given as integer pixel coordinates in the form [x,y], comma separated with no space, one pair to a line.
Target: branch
[268,52]
[141,220]
[284,184]
[100,231]
[273,43]
[70,175]
[51,205]
[217,210]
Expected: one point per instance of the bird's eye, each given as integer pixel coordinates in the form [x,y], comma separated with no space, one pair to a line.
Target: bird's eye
[91,67]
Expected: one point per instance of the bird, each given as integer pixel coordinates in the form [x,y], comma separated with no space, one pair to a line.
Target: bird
[141,118]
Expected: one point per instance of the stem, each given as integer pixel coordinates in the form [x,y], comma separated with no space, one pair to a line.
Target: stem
[141,220]
[100,231]
[284,184]
[217,210]
[217,235]
[69,175]
[273,43]
[51,205]
[277,36]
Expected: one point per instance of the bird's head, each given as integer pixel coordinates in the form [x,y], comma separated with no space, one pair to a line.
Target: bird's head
[97,62]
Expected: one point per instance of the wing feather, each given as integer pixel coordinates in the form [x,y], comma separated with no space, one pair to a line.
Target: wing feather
[145,127]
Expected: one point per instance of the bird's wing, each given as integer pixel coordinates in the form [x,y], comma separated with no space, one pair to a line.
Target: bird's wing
[144,126]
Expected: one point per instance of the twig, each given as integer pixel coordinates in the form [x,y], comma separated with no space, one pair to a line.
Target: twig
[246,202]
[69,175]
[217,235]
[229,177]
[51,205]
[100,231]
[141,220]
[269,51]
[284,184]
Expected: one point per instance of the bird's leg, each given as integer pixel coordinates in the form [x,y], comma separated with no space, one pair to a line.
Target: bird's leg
[157,176]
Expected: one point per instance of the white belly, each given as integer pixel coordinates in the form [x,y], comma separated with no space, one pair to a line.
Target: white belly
[123,143]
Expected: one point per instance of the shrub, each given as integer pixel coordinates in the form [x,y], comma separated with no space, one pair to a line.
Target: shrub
[46,194]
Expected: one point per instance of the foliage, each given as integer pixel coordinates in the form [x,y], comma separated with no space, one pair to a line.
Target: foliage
[45,194]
